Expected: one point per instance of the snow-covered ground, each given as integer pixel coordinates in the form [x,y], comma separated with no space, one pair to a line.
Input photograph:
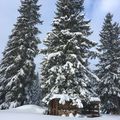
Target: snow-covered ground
[27,116]
[28,109]
[32,112]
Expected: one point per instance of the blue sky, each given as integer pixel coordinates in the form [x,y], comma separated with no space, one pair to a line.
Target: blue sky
[94,9]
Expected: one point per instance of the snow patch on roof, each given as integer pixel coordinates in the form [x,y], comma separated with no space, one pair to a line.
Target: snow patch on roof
[94,99]
[62,97]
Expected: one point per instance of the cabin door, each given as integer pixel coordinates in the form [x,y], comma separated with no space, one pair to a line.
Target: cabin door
[54,107]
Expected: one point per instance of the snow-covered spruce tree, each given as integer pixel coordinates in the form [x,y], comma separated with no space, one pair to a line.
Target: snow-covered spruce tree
[65,67]
[17,66]
[109,66]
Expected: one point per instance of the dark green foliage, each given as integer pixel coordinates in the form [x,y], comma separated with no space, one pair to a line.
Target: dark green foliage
[109,66]
[65,67]
[35,92]
[17,66]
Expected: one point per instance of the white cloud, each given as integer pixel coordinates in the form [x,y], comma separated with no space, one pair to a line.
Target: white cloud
[110,5]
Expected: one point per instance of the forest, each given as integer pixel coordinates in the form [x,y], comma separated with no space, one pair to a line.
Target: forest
[65,73]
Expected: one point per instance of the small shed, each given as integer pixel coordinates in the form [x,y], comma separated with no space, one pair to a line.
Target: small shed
[92,109]
[63,105]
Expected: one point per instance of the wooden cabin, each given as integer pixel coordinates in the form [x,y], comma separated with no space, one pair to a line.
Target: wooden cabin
[91,109]
[55,108]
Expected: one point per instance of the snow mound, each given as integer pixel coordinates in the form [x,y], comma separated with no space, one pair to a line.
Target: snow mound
[29,109]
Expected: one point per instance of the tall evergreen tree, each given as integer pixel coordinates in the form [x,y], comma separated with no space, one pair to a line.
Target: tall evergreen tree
[109,66]
[17,66]
[65,67]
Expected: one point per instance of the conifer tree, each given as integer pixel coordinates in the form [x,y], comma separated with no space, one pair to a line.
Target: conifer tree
[109,66]
[35,92]
[17,66]
[65,67]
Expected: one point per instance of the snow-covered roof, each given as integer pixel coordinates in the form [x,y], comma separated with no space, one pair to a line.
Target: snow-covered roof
[62,97]
[94,99]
